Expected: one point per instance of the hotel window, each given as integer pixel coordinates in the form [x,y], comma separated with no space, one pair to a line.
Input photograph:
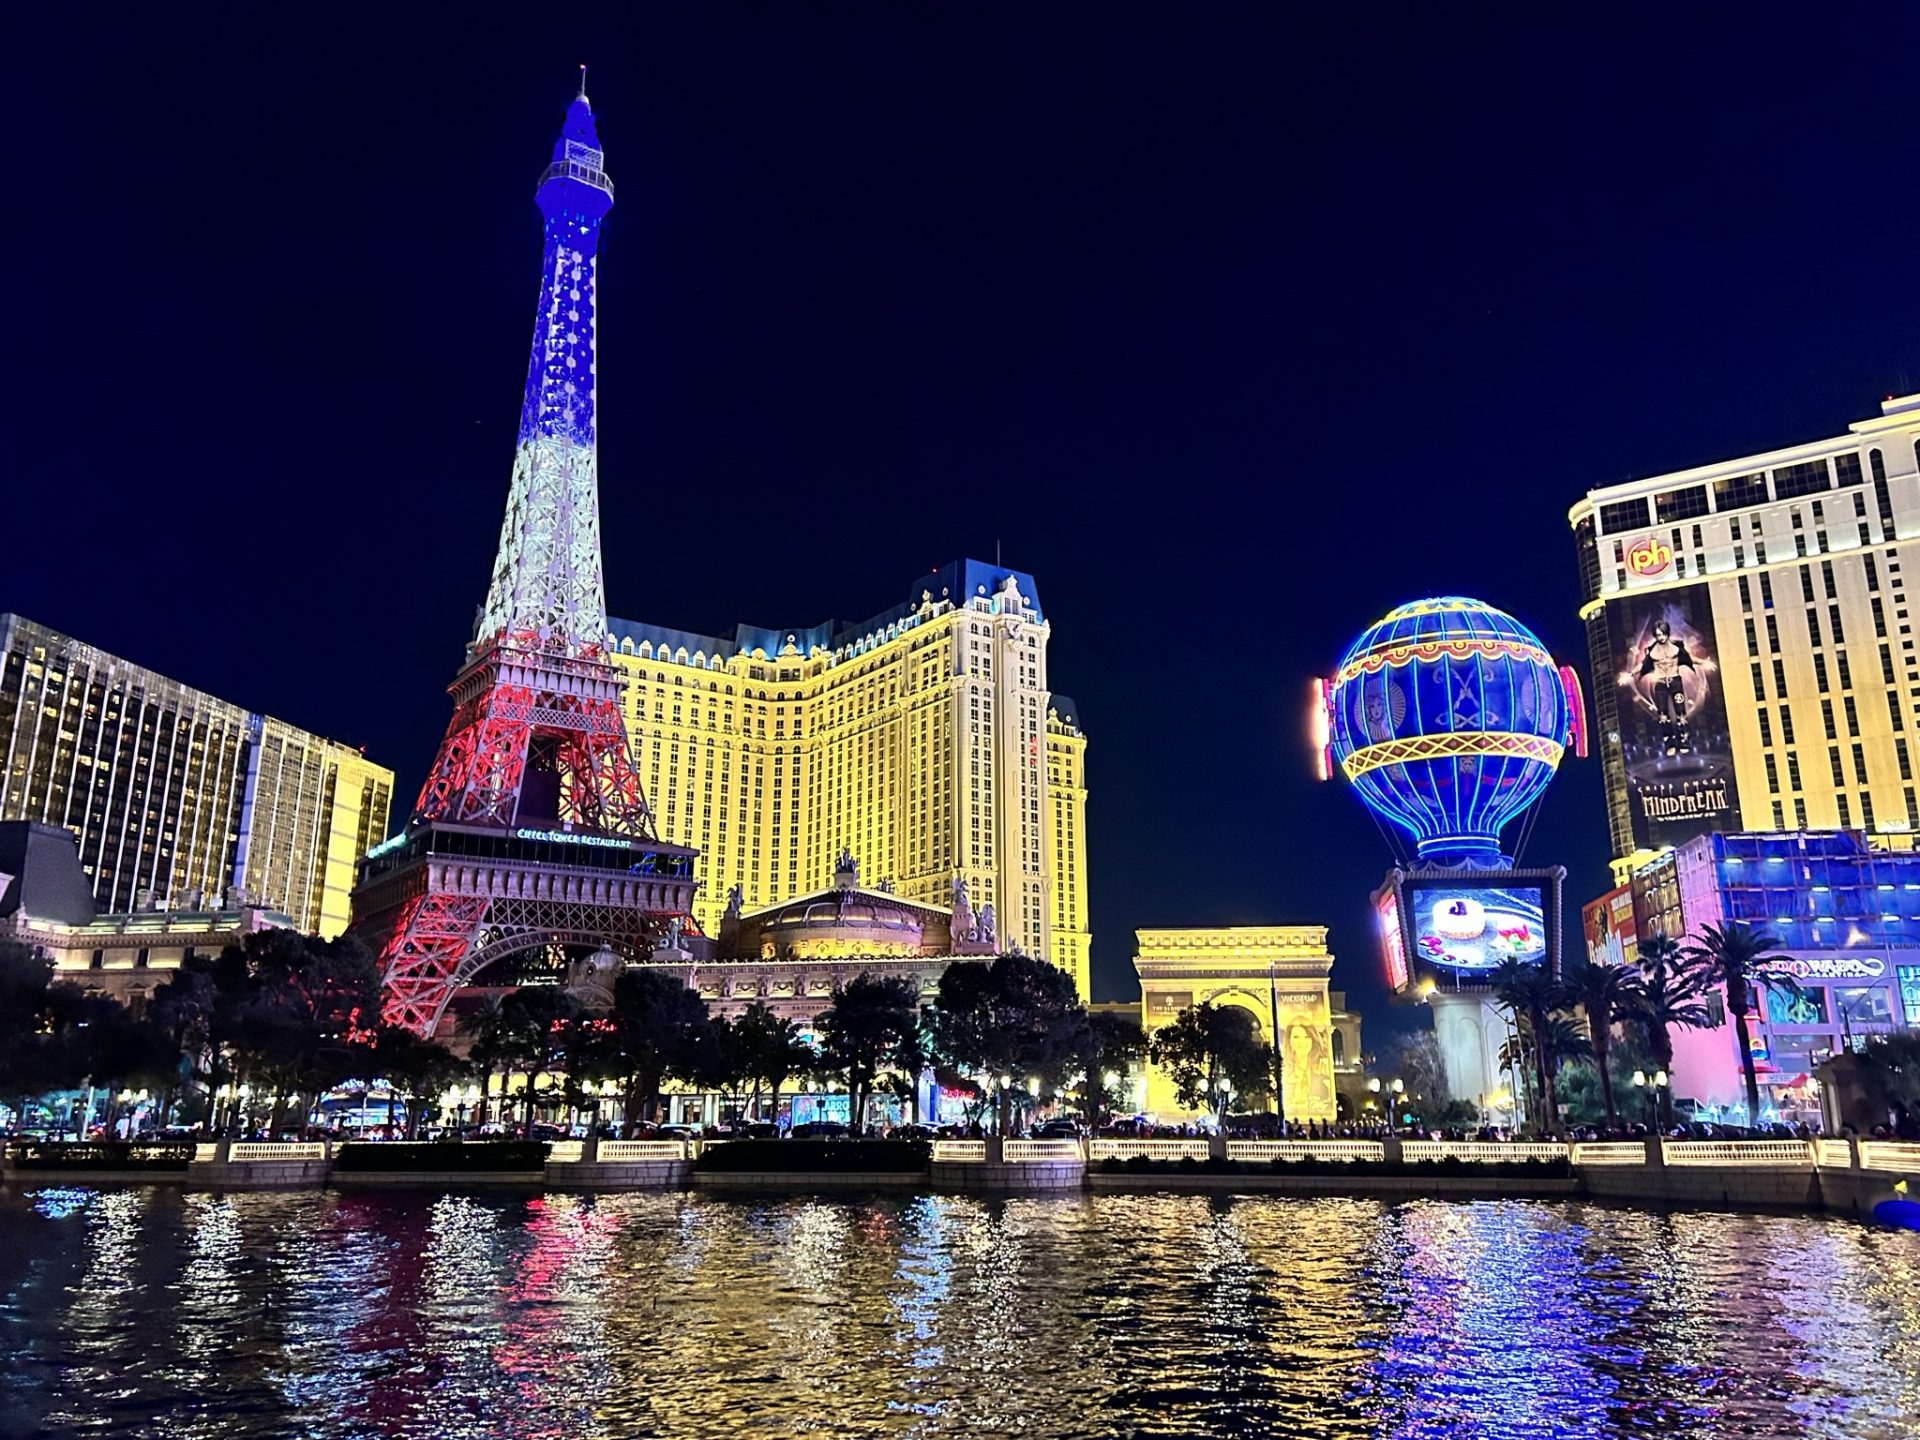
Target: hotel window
[1753,644]
[1906,762]
[1766,586]
[1860,764]
[1793,773]
[1773,778]
[1847,467]
[1623,515]
[1779,815]
[1866,812]
[1759,689]
[1792,481]
[1680,504]
[1853,716]
[1773,632]
[1746,591]
[1800,815]
[1820,671]
[1740,491]
[1826,716]
[1879,617]
[1766,729]
[1786,724]
[1873,574]
[1846,669]
[1839,774]
[1806,582]
[1846,812]
[1826,566]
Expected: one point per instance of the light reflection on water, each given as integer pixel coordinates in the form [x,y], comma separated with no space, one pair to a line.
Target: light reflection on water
[150,1312]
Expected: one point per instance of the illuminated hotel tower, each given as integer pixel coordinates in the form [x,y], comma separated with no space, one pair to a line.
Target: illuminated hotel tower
[1752,631]
[531,834]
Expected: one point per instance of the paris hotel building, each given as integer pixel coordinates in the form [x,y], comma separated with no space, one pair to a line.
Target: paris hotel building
[925,742]
[1791,573]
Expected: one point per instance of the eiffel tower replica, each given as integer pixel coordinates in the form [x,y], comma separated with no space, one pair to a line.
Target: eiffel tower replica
[531,831]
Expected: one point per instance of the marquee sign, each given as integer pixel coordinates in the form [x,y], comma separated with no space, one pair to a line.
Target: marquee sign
[1648,556]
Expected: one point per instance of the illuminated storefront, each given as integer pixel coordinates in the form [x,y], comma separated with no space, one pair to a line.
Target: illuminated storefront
[1846,917]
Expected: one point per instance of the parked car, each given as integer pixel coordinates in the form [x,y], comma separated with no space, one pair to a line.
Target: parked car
[1058,1130]
[820,1130]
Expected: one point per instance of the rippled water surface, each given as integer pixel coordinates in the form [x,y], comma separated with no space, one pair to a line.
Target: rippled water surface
[150,1312]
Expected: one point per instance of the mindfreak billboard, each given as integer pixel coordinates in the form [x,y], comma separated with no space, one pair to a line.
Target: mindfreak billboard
[1673,716]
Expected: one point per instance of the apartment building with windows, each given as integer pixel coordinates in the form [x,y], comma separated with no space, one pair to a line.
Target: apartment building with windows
[179,800]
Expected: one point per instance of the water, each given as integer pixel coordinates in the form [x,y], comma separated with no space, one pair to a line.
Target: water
[155,1313]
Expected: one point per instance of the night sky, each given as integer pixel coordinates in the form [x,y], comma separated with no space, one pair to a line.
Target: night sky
[1234,326]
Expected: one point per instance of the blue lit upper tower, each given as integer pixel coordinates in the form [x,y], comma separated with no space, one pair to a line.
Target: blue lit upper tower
[547,591]
[1450,717]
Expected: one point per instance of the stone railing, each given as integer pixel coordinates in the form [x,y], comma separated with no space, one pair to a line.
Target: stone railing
[1345,1150]
[1833,1154]
[1148,1149]
[1899,1155]
[1025,1152]
[252,1151]
[1609,1152]
[565,1152]
[624,1152]
[1792,1154]
[959,1151]
[1485,1152]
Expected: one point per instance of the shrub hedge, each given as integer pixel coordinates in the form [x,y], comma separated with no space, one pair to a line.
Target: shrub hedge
[845,1157]
[1451,1167]
[98,1155]
[441,1156]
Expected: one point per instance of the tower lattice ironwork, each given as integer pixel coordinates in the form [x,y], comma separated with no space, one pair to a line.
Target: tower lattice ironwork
[531,828]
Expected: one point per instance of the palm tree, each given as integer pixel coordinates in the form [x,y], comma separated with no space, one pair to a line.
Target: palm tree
[1737,957]
[1556,1040]
[1670,991]
[1530,996]
[1606,993]
[489,1027]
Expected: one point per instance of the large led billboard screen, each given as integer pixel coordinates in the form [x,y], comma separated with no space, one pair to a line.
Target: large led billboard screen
[1672,729]
[1393,935]
[1468,929]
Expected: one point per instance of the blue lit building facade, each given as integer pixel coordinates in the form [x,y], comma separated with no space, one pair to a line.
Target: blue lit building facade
[1846,913]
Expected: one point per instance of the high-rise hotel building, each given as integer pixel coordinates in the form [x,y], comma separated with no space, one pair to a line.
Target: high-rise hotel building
[925,742]
[179,800]
[1752,637]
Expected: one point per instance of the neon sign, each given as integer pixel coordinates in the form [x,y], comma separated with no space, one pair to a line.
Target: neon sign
[1392,940]
[387,846]
[1837,967]
[565,837]
[1648,556]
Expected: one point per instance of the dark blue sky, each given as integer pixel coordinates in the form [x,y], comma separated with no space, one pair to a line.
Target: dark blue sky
[1234,325]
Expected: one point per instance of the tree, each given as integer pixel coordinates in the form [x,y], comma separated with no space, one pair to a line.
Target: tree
[771,1052]
[1113,1043]
[536,1019]
[413,1067]
[1736,957]
[1672,988]
[1532,997]
[652,1029]
[1605,993]
[1017,1019]
[1207,1044]
[1890,1072]
[911,1059]
[487,1029]
[862,1031]
[298,1011]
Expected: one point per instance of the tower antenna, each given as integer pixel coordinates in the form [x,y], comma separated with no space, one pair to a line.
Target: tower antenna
[583,82]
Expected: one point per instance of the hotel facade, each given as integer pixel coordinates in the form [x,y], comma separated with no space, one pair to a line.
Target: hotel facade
[179,800]
[926,741]
[1751,633]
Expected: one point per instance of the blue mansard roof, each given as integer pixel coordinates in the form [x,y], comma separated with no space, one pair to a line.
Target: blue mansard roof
[957,582]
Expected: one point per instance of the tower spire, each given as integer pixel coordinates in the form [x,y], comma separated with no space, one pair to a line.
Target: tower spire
[583,84]
[547,590]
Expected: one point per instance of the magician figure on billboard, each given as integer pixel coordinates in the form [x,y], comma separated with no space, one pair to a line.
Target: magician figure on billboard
[1663,689]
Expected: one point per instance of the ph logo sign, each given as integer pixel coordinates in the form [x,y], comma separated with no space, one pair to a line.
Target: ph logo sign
[1648,556]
